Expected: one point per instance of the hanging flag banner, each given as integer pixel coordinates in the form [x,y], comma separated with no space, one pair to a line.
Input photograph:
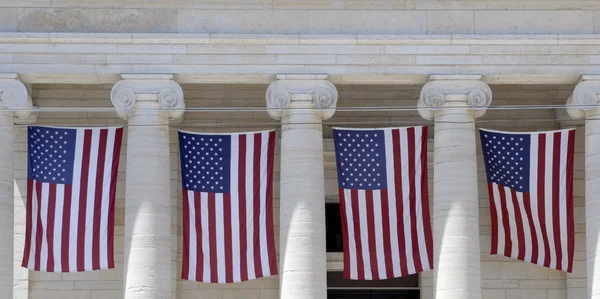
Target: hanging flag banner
[382,178]
[71,187]
[530,185]
[227,206]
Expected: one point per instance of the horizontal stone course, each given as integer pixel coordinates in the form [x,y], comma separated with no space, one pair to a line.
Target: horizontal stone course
[186,16]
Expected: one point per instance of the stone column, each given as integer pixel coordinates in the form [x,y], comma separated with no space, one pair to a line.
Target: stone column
[302,102]
[584,103]
[454,102]
[148,102]
[14,103]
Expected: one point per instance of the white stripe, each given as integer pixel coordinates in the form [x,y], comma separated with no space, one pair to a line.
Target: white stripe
[364,233]
[526,228]
[512,223]
[74,222]
[563,198]
[250,205]
[108,160]
[419,202]
[377,216]
[389,158]
[351,240]
[58,218]
[533,179]
[498,205]
[406,202]
[548,198]
[193,259]
[34,216]
[235,208]
[264,252]
[44,217]
[205,236]
[220,236]
[91,194]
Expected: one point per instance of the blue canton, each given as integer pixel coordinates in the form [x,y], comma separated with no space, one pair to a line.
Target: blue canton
[507,159]
[205,162]
[51,153]
[360,156]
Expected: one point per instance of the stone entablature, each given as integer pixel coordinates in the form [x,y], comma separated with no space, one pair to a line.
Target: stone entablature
[100,58]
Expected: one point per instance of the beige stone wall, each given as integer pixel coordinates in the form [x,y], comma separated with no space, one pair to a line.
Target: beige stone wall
[501,277]
[297,16]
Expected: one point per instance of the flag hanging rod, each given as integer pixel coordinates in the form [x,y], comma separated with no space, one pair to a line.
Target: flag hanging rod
[328,124]
[338,109]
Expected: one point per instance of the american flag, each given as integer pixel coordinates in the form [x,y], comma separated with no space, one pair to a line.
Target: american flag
[530,185]
[71,185]
[382,177]
[227,206]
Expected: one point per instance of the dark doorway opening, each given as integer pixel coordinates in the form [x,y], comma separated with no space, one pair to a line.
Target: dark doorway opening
[372,294]
[396,288]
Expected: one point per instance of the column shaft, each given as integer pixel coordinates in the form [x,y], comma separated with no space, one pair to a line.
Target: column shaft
[455,208]
[147,203]
[6,202]
[302,217]
[592,201]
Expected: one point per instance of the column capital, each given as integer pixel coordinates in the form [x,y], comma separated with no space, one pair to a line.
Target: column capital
[433,95]
[14,95]
[169,94]
[296,88]
[585,97]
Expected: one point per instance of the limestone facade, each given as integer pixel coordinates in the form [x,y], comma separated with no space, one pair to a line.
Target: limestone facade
[377,58]
[500,277]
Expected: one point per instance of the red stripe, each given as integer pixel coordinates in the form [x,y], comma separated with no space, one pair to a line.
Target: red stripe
[212,233]
[520,224]
[534,242]
[228,243]
[425,199]
[185,264]
[269,199]
[387,244]
[113,191]
[256,204]
[28,223]
[345,238]
[39,231]
[199,234]
[493,218]
[410,132]
[556,198]
[505,222]
[541,184]
[371,235]
[569,190]
[399,202]
[242,202]
[98,199]
[66,229]
[360,265]
[50,226]
[85,165]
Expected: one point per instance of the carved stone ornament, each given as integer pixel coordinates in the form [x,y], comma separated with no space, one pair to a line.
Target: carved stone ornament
[169,94]
[14,96]
[433,96]
[586,96]
[280,94]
